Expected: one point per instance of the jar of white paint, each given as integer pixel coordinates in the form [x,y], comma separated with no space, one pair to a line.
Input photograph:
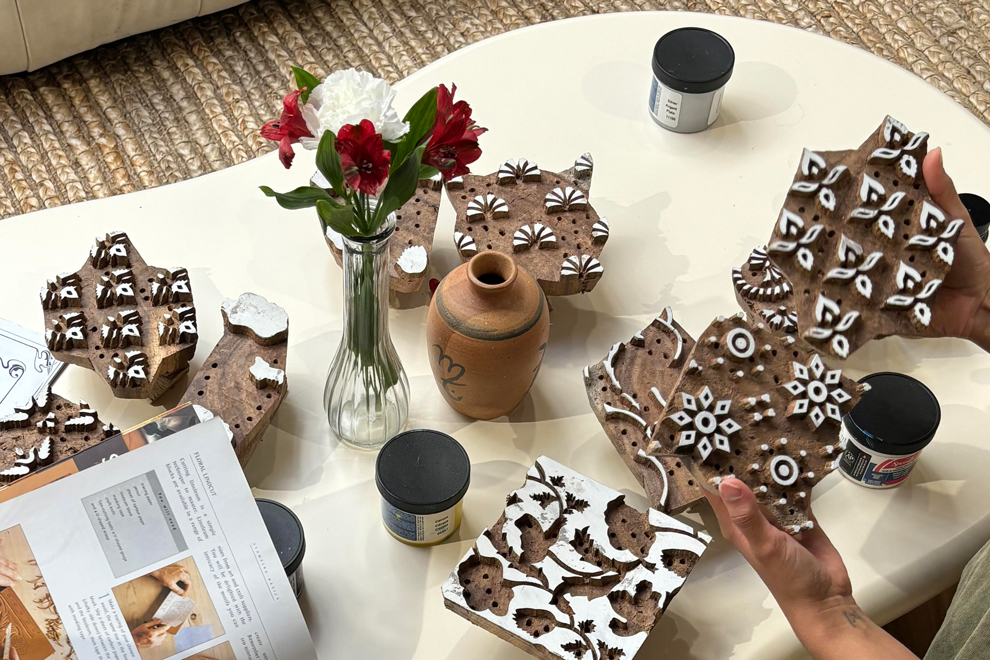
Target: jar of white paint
[690,69]
[882,437]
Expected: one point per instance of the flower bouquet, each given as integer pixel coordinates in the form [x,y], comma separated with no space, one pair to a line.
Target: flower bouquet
[373,161]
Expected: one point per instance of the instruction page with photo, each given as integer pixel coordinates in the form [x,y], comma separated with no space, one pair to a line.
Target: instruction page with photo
[158,553]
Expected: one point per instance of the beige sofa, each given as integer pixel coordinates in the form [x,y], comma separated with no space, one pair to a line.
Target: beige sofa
[34,33]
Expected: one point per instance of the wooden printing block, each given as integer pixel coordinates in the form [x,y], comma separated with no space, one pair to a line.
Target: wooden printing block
[412,242]
[46,430]
[543,220]
[764,293]
[628,391]
[862,242]
[132,323]
[26,637]
[243,380]
[760,407]
[571,571]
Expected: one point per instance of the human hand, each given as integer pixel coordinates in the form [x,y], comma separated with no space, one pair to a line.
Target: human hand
[8,573]
[171,576]
[807,578]
[13,654]
[803,572]
[962,307]
[149,634]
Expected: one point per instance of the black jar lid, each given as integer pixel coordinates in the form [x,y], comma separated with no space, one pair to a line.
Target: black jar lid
[979,210]
[693,60]
[897,416]
[422,472]
[286,532]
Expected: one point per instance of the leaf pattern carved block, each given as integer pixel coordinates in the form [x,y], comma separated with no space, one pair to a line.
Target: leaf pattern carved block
[862,243]
[570,571]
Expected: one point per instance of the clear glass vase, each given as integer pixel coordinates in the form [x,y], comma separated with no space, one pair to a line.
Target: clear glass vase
[367,392]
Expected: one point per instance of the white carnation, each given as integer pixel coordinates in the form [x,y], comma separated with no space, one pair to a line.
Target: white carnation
[347,97]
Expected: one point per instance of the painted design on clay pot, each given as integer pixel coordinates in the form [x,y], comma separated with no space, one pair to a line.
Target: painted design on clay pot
[487,331]
[444,362]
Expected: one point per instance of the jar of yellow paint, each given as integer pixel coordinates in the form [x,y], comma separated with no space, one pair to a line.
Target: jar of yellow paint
[422,477]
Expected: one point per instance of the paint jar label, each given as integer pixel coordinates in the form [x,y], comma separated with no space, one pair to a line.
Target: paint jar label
[665,104]
[874,469]
[417,529]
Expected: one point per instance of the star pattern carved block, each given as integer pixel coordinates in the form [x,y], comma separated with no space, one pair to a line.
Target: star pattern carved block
[628,391]
[543,220]
[862,243]
[570,571]
[45,430]
[760,407]
[412,242]
[132,323]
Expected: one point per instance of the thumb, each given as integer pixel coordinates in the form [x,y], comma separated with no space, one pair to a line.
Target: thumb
[746,516]
[941,186]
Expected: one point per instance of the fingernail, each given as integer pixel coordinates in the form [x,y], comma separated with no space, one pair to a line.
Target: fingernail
[730,490]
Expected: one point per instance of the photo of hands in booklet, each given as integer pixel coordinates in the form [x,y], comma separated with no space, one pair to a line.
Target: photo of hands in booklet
[170,558]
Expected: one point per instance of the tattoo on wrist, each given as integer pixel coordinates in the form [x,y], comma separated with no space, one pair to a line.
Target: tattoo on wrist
[853,617]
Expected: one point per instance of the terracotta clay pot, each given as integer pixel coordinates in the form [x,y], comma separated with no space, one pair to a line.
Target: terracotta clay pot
[486,333]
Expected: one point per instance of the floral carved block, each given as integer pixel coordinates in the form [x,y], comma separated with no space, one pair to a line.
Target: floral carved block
[132,323]
[541,219]
[412,242]
[862,243]
[45,430]
[760,407]
[628,390]
[570,571]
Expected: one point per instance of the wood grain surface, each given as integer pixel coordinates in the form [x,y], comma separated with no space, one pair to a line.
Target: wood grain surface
[141,597]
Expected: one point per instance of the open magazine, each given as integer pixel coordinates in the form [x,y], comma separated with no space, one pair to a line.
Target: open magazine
[158,553]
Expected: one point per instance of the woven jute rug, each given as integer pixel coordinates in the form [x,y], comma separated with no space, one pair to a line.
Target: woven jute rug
[189,99]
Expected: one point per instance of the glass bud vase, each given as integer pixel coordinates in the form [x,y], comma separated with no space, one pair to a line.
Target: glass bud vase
[367,393]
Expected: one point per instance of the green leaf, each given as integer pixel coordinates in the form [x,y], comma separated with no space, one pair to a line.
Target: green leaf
[304,79]
[400,187]
[328,162]
[339,218]
[427,172]
[300,198]
[420,119]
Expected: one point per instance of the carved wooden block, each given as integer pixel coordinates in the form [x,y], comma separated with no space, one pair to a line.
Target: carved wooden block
[44,431]
[412,242]
[543,220]
[765,293]
[571,571]
[628,391]
[761,407]
[132,323]
[243,380]
[862,242]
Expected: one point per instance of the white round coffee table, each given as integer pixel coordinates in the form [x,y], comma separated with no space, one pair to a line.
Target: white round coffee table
[684,210]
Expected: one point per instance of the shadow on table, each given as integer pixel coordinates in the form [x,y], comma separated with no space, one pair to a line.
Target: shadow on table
[359,618]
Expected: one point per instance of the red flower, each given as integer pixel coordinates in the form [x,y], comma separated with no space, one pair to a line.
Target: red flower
[287,129]
[453,144]
[363,157]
